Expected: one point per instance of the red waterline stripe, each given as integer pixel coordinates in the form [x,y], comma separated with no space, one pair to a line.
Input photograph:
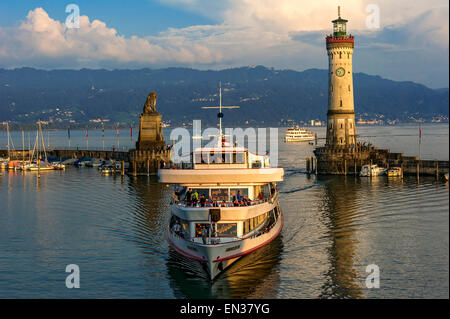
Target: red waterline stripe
[182,252]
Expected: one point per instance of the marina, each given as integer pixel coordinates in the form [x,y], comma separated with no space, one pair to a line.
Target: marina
[242,209]
[343,224]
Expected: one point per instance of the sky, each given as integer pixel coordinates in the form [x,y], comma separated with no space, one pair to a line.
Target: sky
[404,40]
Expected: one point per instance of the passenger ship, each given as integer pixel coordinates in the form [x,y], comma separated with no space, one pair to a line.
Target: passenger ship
[297,134]
[226,205]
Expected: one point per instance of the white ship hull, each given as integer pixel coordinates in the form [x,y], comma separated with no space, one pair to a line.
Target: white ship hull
[299,139]
[218,257]
[298,134]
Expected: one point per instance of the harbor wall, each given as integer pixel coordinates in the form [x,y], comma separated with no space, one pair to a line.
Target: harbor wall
[65,154]
[349,160]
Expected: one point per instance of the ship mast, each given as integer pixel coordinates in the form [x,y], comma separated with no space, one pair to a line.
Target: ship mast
[220,114]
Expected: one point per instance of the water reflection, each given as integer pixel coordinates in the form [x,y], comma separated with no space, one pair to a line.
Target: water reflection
[338,206]
[253,276]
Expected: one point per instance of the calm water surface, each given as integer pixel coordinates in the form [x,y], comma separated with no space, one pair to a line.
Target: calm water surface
[113,228]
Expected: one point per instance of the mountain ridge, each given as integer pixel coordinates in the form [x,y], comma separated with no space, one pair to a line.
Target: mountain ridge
[266,95]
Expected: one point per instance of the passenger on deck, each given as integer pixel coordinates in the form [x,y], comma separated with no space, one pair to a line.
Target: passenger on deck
[188,197]
[204,234]
[202,200]
[194,197]
[239,196]
[177,195]
[235,201]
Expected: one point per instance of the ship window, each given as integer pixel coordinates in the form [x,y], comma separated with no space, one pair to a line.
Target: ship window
[226,230]
[233,192]
[219,194]
[198,229]
[201,191]
[240,157]
[199,159]
[246,226]
[254,223]
[184,231]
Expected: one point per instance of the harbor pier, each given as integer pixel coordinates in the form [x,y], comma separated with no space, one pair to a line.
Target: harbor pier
[66,154]
[345,160]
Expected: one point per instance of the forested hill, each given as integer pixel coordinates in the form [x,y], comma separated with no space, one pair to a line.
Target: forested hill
[266,96]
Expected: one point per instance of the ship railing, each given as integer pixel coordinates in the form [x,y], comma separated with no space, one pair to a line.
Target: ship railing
[217,240]
[223,204]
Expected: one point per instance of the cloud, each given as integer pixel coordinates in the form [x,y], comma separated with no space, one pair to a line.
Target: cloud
[277,33]
[40,38]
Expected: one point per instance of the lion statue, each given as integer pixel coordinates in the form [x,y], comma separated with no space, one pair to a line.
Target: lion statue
[150,104]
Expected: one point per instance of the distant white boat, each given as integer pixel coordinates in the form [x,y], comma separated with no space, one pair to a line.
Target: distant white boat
[297,134]
[372,170]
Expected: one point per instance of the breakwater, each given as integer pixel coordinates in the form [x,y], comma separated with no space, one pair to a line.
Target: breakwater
[345,160]
[142,162]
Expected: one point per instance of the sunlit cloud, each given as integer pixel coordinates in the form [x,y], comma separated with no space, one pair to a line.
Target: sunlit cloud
[281,34]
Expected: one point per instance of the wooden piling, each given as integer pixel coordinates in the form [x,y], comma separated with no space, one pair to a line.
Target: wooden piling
[437,170]
[122,168]
[308,164]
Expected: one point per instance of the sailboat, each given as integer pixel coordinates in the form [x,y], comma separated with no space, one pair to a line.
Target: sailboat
[38,164]
[4,161]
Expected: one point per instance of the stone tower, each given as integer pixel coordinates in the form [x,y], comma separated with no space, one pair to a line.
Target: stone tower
[341,112]
[150,149]
[150,127]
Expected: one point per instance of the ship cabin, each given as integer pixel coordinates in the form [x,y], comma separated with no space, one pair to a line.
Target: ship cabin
[230,193]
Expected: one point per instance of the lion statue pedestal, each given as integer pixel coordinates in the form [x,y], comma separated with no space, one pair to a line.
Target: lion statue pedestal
[150,149]
[150,127]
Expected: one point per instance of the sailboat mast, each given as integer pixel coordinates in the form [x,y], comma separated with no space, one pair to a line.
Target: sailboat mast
[220,113]
[7,130]
[23,147]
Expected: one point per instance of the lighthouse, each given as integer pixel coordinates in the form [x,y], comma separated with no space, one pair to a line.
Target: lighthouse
[341,112]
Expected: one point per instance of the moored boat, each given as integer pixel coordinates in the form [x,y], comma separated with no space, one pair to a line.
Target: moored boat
[395,172]
[372,170]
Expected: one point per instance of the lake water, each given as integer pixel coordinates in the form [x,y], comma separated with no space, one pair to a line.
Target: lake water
[113,229]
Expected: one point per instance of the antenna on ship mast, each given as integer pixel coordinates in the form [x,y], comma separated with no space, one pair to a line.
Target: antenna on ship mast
[220,114]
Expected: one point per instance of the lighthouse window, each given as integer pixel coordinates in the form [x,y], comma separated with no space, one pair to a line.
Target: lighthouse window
[341,103]
[349,88]
[341,125]
[341,140]
[340,55]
